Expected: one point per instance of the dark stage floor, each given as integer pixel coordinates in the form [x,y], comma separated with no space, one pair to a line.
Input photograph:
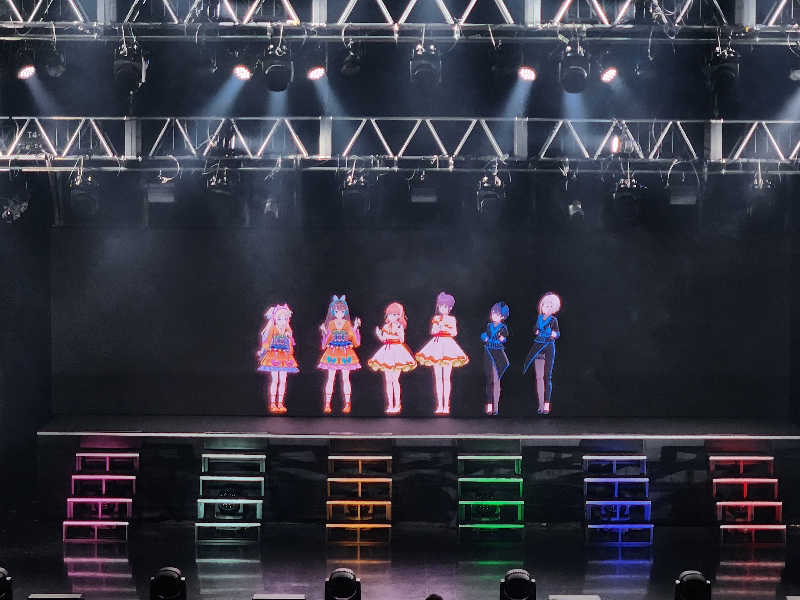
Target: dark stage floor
[547,428]
[295,559]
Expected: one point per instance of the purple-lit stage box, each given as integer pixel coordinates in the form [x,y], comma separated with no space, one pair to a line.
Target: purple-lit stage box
[55,597]
[279,597]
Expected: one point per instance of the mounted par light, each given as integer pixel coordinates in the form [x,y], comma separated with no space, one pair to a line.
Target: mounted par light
[354,56]
[425,66]
[278,67]
[24,65]
[129,67]
[574,69]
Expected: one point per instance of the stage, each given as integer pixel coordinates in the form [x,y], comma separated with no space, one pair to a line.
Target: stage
[550,428]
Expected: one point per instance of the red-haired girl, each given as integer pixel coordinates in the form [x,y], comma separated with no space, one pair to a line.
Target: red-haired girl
[276,355]
[393,357]
[442,352]
[339,337]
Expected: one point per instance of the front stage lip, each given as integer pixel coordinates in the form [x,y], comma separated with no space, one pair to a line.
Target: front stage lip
[453,428]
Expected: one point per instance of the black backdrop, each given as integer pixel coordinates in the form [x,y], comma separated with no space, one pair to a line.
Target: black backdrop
[167,321]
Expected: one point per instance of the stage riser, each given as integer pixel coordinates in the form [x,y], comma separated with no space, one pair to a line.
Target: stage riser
[425,477]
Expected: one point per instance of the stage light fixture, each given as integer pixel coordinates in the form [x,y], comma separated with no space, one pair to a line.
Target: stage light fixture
[315,73]
[615,145]
[692,585]
[517,585]
[355,193]
[15,196]
[24,65]
[342,584]
[84,196]
[222,181]
[574,69]
[526,73]
[575,212]
[625,208]
[723,66]
[168,584]
[794,72]
[609,74]
[354,56]
[53,61]
[491,193]
[6,587]
[129,67]
[278,67]
[242,72]
[425,66]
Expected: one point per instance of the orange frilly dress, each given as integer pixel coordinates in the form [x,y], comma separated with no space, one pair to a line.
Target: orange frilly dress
[394,355]
[277,351]
[442,350]
[338,344]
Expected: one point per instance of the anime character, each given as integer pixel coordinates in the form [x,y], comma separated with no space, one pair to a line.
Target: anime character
[339,337]
[276,354]
[495,361]
[442,352]
[543,350]
[393,357]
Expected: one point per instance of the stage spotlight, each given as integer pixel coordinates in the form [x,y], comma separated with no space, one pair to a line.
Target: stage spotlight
[278,67]
[490,194]
[24,65]
[574,69]
[794,72]
[129,67]
[351,65]
[692,585]
[609,74]
[168,584]
[53,61]
[316,73]
[575,212]
[14,197]
[222,181]
[625,206]
[425,66]
[615,145]
[242,71]
[526,73]
[84,196]
[723,66]
[518,585]
[6,589]
[342,584]
[355,193]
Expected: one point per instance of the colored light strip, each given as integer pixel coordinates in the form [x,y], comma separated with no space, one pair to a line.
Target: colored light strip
[235,456]
[488,457]
[99,575]
[492,502]
[615,479]
[107,454]
[227,561]
[358,525]
[83,499]
[618,502]
[620,457]
[748,578]
[739,458]
[492,526]
[360,479]
[229,501]
[93,560]
[620,526]
[423,436]
[755,564]
[251,478]
[360,502]
[743,480]
[107,477]
[748,526]
[96,523]
[490,479]
[749,503]
[226,525]
[355,457]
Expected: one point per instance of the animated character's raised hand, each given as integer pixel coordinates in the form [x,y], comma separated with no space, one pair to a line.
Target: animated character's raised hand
[378,333]
[323,329]
[357,323]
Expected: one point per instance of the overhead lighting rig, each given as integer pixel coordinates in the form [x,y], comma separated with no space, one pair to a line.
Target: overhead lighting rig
[425,66]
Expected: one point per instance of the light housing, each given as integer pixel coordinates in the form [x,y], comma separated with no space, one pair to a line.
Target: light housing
[425,66]
[24,66]
[723,66]
[609,74]
[278,67]
[168,584]
[526,73]
[342,584]
[490,193]
[242,72]
[574,69]
[355,193]
[625,207]
[6,585]
[354,56]
[517,584]
[129,67]
[692,585]
[53,61]
[316,72]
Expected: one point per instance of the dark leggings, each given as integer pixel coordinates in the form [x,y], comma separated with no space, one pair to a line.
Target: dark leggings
[548,354]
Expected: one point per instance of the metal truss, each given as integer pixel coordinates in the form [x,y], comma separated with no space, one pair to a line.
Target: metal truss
[398,143]
[613,21]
